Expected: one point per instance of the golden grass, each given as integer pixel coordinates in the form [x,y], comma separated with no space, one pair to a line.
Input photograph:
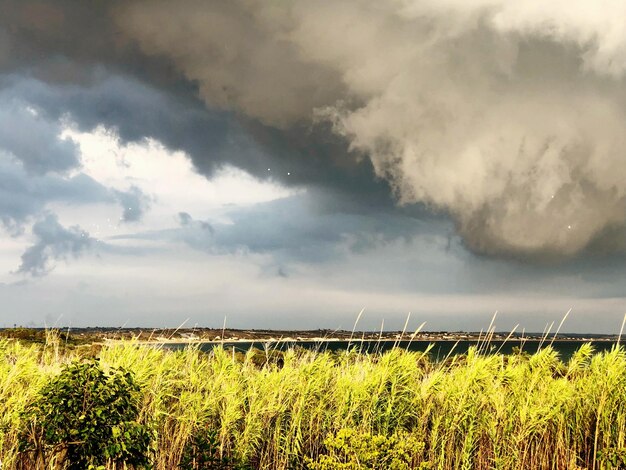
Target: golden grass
[474,411]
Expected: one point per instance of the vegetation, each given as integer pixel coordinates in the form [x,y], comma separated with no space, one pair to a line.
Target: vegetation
[353,449]
[308,409]
[85,418]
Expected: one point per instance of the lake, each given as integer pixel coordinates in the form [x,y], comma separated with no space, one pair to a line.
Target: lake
[439,350]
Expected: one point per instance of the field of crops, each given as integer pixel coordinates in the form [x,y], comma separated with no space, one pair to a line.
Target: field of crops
[307,409]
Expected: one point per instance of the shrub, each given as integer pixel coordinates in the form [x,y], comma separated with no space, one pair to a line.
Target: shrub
[613,457]
[350,449]
[202,451]
[85,418]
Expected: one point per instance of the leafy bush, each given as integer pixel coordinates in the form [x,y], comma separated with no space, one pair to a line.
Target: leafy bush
[613,458]
[350,449]
[85,418]
[202,451]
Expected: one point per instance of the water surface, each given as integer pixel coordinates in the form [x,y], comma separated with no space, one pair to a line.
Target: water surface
[439,349]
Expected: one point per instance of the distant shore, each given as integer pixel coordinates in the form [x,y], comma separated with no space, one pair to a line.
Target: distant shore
[181,340]
[231,335]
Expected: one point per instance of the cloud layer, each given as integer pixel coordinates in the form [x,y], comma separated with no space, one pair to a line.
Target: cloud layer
[53,242]
[508,116]
[287,163]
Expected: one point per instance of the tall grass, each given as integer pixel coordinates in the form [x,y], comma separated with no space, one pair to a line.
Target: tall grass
[474,411]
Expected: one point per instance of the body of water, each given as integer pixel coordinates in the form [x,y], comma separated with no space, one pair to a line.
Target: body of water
[439,349]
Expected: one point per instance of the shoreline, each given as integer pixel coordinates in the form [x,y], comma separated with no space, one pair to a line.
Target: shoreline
[192,336]
[228,341]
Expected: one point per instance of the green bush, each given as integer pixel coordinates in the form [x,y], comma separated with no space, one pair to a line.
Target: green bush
[612,458]
[85,418]
[350,449]
[202,452]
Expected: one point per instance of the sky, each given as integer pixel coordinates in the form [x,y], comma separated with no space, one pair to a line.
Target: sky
[288,164]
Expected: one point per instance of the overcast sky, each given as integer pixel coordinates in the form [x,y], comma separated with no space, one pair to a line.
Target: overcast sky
[287,164]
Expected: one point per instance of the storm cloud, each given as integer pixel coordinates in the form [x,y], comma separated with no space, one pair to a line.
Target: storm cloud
[510,118]
[507,117]
[39,166]
[53,242]
[23,196]
[296,230]
[36,142]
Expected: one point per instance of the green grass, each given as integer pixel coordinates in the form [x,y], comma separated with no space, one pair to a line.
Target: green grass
[468,412]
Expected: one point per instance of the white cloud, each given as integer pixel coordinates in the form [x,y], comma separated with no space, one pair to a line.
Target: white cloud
[167,178]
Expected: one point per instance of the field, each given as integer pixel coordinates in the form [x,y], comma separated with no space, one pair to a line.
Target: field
[322,410]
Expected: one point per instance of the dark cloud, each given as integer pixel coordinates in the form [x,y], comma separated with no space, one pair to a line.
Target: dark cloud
[295,229]
[384,251]
[23,195]
[136,111]
[35,160]
[301,155]
[72,72]
[59,41]
[82,86]
[484,110]
[507,118]
[32,139]
[53,242]
[134,204]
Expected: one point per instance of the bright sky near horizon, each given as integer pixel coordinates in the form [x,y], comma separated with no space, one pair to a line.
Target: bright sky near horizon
[286,165]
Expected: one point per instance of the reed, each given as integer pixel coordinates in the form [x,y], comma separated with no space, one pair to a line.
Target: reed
[472,411]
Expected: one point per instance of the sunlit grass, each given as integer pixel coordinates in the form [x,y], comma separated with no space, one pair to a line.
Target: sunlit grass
[472,411]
